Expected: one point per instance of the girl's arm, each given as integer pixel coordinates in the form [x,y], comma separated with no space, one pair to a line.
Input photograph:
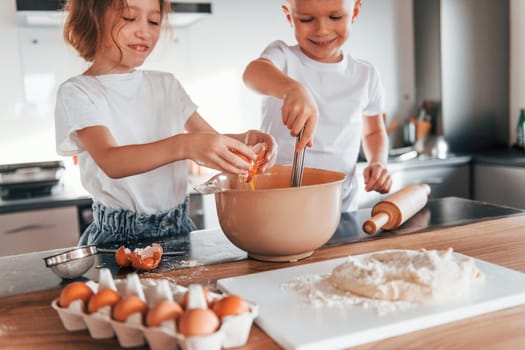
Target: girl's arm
[196,124]
[375,147]
[299,109]
[201,144]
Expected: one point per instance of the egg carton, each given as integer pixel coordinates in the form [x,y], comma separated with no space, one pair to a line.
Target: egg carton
[233,330]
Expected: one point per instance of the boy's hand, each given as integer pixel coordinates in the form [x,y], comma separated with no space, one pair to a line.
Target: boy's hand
[254,137]
[377,178]
[299,111]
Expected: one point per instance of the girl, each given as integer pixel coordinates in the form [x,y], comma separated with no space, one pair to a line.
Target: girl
[128,126]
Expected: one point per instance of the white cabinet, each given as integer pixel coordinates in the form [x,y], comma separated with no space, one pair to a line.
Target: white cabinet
[35,230]
[500,184]
[444,180]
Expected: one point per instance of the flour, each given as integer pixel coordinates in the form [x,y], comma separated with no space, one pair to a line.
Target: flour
[320,292]
[391,280]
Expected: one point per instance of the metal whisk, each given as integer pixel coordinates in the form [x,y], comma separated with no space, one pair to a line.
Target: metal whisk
[298,164]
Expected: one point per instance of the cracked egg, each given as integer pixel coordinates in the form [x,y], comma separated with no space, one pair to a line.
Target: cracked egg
[147,258]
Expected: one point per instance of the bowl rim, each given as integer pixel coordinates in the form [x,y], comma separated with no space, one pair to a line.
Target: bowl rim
[70,254]
[212,180]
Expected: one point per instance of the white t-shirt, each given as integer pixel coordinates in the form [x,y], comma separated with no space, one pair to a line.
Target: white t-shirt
[345,92]
[137,107]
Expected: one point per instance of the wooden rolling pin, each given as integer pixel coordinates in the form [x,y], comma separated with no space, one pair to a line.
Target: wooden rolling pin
[397,208]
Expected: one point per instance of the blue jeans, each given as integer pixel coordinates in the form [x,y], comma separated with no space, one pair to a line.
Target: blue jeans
[114,225]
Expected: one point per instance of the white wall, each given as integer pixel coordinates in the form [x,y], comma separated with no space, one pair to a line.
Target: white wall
[209,58]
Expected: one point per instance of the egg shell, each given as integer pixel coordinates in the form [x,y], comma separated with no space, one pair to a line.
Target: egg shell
[122,256]
[198,322]
[104,297]
[232,332]
[163,311]
[75,291]
[230,305]
[147,258]
[127,306]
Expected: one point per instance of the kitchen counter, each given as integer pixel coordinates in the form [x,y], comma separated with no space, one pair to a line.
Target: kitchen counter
[491,233]
[505,157]
[210,247]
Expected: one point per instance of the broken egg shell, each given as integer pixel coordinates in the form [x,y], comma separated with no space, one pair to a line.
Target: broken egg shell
[146,258]
[123,256]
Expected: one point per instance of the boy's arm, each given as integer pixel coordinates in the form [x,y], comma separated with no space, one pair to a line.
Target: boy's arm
[264,77]
[299,109]
[375,147]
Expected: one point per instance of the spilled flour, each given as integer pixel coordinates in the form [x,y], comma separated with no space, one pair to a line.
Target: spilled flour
[391,280]
[320,292]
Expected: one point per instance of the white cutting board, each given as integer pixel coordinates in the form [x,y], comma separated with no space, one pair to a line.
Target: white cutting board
[295,323]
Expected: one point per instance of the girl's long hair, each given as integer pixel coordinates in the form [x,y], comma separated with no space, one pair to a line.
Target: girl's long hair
[84,25]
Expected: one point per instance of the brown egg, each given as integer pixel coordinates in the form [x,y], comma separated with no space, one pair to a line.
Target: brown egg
[207,295]
[123,256]
[198,322]
[146,258]
[104,297]
[74,291]
[230,305]
[128,306]
[163,311]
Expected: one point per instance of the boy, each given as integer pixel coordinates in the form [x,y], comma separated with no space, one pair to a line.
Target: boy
[315,86]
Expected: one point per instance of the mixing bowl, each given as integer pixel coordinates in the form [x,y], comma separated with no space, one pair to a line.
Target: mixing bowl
[276,222]
[72,263]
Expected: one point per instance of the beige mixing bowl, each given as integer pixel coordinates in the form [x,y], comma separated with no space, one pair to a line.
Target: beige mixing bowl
[276,222]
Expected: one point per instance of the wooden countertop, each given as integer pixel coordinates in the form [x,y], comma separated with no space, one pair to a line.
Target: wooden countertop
[28,321]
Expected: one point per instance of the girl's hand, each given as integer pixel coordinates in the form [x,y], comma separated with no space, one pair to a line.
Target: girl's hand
[377,178]
[220,152]
[254,137]
[299,111]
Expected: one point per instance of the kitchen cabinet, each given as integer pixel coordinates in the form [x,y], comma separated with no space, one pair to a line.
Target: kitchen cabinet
[500,184]
[445,177]
[35,230]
